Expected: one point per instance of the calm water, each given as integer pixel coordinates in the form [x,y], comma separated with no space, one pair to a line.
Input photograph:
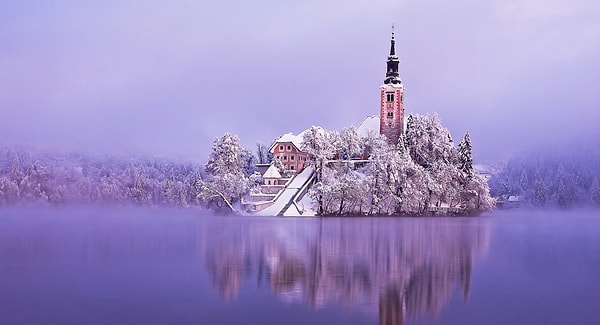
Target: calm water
[142,266]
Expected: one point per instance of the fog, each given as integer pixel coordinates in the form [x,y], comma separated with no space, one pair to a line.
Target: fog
[165,79]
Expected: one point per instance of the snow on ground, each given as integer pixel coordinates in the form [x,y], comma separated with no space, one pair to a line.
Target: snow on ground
[310,209]
[288,194]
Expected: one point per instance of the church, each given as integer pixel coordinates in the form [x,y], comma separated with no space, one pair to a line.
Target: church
[390,121]
[391,113]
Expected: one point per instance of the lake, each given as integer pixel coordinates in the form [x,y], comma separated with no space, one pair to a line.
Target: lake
[178,266]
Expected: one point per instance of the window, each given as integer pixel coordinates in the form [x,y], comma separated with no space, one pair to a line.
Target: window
[292,167]
[390,97]
[291,157]
[280,148]
[390,115]
[289,148]
[284,157]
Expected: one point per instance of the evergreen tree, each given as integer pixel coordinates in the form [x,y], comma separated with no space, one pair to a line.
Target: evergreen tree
[465,156]
[595,191]
[523,181]
[401,146]
[540,197]
[563,193]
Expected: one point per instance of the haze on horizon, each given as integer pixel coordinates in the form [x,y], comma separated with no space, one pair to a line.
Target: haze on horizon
[167,78]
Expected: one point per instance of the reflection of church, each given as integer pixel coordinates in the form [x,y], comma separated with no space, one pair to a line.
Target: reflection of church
[397,268]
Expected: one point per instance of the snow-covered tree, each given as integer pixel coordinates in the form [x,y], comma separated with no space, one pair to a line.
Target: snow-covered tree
[465,156]
[318,143]
[563,191]
[227,156]
[422,171]
[350,142]
[595,192]
[523,181]
[228,170]
[428,142]
[557,176]
[278,164]
[262,153]
[541,195]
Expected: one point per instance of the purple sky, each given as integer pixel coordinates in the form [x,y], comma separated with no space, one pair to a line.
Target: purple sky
[167,77]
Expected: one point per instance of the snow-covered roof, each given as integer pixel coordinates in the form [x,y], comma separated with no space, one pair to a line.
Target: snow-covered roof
[400,85]
[369,124]
[272,172]
[515,198]
[482,169]
[296,140]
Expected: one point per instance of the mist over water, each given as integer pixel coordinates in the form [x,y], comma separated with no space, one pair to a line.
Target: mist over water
[123,265]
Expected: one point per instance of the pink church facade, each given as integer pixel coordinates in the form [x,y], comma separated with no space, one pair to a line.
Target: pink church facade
[391,112]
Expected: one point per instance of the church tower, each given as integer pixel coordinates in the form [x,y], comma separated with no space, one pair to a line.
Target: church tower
[391,114]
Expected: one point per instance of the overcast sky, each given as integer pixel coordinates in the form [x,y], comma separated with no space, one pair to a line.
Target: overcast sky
[167,77]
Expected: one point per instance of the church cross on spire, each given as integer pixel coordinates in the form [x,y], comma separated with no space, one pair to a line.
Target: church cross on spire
[392,76]
[393,45]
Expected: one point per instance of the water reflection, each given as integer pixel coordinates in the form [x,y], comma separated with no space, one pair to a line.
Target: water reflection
[398,268]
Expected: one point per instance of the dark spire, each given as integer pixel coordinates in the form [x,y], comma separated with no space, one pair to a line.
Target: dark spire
[392,76]
[393,45]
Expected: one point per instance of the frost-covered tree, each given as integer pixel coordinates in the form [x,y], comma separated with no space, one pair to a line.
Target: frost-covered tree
[55,178]
[560,176]
[563,191]
[428,142]
[318,143]
[262,154]
[9,190]
[523,181]
[421,172]
[540,197]
[339,191]
[227,167]
[278,164]
[377,180]
[227,156]
[595,192]
[465,156]
[350,142]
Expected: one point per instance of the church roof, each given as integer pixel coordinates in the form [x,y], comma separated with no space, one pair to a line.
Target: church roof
[272,172]
[369,125]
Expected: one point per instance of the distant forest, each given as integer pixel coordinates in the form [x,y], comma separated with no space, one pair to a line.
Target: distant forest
[33,177]
[564,176]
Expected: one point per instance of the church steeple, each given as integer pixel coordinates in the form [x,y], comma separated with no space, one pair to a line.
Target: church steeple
[392,76]
[391,113]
